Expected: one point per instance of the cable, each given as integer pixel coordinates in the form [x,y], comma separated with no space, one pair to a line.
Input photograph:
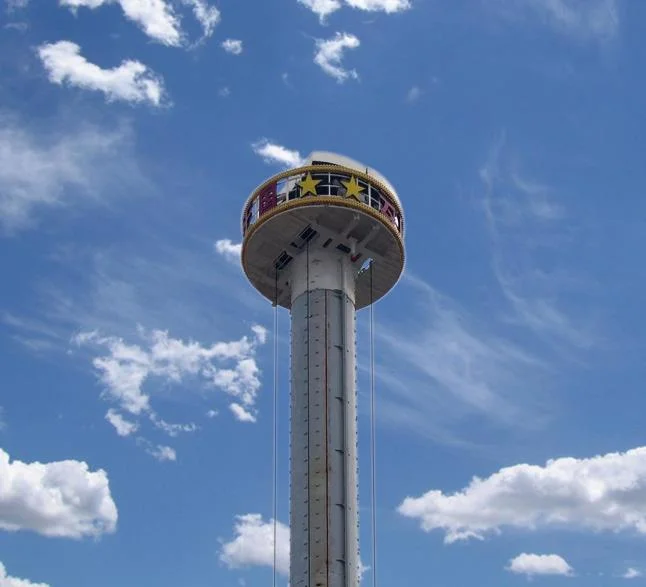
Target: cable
[275,429]
[373,482]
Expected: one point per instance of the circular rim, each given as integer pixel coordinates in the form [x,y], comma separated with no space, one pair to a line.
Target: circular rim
[322,201]
[323,168]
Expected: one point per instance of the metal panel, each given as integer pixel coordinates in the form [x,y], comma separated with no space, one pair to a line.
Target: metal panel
[324,516]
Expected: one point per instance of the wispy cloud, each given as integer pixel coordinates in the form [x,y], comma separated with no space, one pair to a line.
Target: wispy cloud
[329,55]
[442,365]
[43,169]
[526,226]
[585,20]
[414,94]
[158,19]
[273,153]
[208,16]
[632,573]
[131,81]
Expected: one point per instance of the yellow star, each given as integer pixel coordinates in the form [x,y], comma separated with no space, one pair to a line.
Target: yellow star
[308,185]
[353,189]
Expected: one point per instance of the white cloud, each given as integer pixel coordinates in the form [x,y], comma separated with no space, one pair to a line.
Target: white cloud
[163,453]
[413,94]
[539,564]
[447,366]
[8,581]
[329,54]
[274,153]
[172,430]
[126,367]
[253,544]
[121,425]
[16,4]
[582,19]
[233,46]
[207,16]
[605,492]
[229,250]
[42,170]
[62,498]
[131,81]
[241,414]
[323,8]
[388,6]
[632,573]
[523,220]
[155,17]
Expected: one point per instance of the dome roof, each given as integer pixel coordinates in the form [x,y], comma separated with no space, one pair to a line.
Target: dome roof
[336,159]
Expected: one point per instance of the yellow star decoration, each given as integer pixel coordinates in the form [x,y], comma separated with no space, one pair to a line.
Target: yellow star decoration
[308,185]
[353,189]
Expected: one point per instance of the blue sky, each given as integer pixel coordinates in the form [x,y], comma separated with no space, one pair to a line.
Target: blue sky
[136,379]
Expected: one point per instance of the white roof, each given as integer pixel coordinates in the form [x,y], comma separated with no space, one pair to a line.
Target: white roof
[337,159]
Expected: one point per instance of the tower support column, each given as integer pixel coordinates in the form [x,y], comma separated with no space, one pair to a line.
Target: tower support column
[324,543]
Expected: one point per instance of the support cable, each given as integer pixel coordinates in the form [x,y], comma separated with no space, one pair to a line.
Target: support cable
[275,430]
[373,459]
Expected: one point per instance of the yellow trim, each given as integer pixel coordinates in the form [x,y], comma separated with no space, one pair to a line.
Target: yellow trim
[323,169]
[320,201]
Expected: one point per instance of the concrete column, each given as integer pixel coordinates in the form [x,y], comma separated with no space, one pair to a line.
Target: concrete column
[324,509]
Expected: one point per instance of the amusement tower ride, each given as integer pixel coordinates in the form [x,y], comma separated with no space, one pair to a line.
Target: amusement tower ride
[323,240]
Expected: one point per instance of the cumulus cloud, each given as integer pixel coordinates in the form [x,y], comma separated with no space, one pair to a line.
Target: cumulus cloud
[273,153]
[539,564]
[123,370]
[43,170]
[131,81]
[155,17]
[7,580]
[233,46]
[253,544]
[121,425]
[329,54]
[229,250]
[632,573]
[62,498]
[241,414]
[323,8]
[602,493]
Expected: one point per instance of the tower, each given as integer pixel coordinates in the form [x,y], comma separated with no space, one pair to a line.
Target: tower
[323,240]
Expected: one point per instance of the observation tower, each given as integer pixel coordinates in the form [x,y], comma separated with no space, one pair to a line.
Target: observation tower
[323,240]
